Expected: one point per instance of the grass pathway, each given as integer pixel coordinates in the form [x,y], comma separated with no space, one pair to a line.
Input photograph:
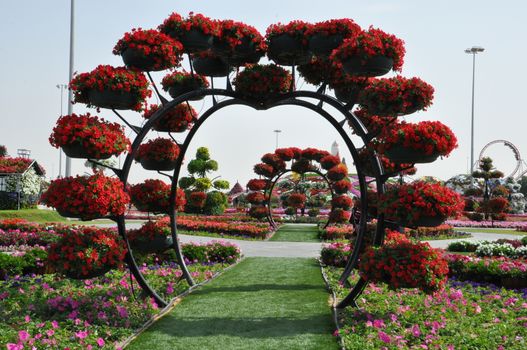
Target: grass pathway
[296,233]
[263,303]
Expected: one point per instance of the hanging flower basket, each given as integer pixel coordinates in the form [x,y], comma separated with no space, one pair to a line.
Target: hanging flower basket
[179,83]
[342,186]
[177,119]
[159,154]
[390,168]
[302,166]
[86,252]
[370,53]
[287,44]
[87,198]
[149,50]
[265,170]
[339,215]
[196,32]
[86,136]
[257,184]
[417,143]
[239,43]
[258,211]
[387,97]
[420,204]
[263,83]
[256,198]
[152,237]
[317,71]
[153,195]
[297,200]
[338,172]
[348,89]
[111,87]
[210,65]
[326,36]
[274,160]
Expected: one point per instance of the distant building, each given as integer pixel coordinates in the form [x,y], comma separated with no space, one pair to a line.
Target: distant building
[236,191]
[20,182]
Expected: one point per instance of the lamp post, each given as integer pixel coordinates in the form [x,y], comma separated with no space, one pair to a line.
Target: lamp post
[473,51]
[62,87]
[277,132]
[70,92]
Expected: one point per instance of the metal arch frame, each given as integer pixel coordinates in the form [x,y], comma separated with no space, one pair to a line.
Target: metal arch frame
[237,99]
[514,150]
[275,181]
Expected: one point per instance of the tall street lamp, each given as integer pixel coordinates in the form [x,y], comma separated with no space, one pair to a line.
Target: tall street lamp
[62,87]
[277,132]
[473,51]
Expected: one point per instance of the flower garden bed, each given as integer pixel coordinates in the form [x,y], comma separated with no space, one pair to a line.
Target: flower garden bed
[518,225]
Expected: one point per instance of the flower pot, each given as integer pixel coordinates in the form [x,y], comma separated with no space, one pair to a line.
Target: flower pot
[180,89]
[135,59]
[349,96]
[157,245]
[244,53]
[158,165]
[211,66]
[371,67]
[425,221]
[163,125]
[322,45]
[287,50]
[76,150]
[112,99]
[195,40]
[77,275]
[514,282]
[391,110]
[400,154]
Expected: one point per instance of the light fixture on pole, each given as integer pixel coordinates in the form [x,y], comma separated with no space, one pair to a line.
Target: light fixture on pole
[277,132]
[473,51]
[70,92]
[62,87]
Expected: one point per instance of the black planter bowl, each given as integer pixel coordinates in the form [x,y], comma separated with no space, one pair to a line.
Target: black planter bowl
[372,67]
[322,45]
[135,59]
[425,221]
[76,150]
[211,66]
[162,126]
[180,89]
[286,50]
[346,95]
[157,245]
[400,155]
[195,40]
[112,99]
[158,165]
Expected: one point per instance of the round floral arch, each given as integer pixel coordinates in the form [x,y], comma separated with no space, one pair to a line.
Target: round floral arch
[334,54]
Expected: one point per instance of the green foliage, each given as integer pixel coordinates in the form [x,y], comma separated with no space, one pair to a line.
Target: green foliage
[30,262]
[221,184]
[203,153]
[523,183]
[197,166]
[186,182]
[3,151]
[202,184]
[215,203]
[211,165]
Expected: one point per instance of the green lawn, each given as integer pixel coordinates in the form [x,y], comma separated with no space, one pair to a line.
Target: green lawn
[491,230]
[263,303]
[33,215]
[296,233]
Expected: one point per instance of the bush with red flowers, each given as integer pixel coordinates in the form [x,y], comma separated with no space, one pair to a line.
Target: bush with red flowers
[86,252]
[274,160]
[314,154]
[154,196]
[88,197]
[95,137]
[387,97]
[288,154]
[326,36]
[118,81]
[177,119]
[158,149]
[262,82]
[258,211]
[302,166]
[256,198]
[342,186]
[339,215]
[178,27]
[180,82]
[337,232]
[411,204]
[405,264]
[149,50]
[257,184]
[342,201]
[420,142]
[265,170]
[368,44]
[16,165]
[296,200]
[197,199]
[329,162]
[338,172]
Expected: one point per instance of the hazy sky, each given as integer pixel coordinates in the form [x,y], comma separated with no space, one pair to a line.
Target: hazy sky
[34,51]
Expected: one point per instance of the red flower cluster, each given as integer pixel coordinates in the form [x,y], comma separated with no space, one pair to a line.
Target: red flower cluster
[193,81]
[342,186]
[177,119]
[258,211]
[176,26]
[87,197]
[374,124]
[232,228]
[390,168]
[265,170]
[108,78]
[332,233]
[295,29]
[302,166]
[387,97]
[257,184]
[338,172]
[14,165]
[99,138]
[233,34]
[344,27]
[317,71]
[154,196]
[342,201]
[197,199]
[405,264]
[339,215]
[329,162]
[274,160]
[296,200]
[86,252]
[410,202]
[149,231]
[256,198]
[164,51]
[262,81]
[430,137]
[288,153]
[314,154]
[159,149]
[370,43]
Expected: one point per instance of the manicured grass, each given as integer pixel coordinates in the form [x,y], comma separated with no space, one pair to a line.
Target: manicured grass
[296,233]
[263,303]
[507,231]
[33,215]
[217,235]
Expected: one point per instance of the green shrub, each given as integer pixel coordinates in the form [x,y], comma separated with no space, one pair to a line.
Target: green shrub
[463,246]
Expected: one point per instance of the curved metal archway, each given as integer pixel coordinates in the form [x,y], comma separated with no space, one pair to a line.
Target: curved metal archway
[515,151]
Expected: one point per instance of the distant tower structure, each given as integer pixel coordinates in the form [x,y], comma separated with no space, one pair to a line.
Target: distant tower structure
[23,153]
[335,149]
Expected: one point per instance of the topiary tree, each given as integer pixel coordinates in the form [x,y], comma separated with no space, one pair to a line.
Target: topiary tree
[3,151]
[494,204]
[198,181]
